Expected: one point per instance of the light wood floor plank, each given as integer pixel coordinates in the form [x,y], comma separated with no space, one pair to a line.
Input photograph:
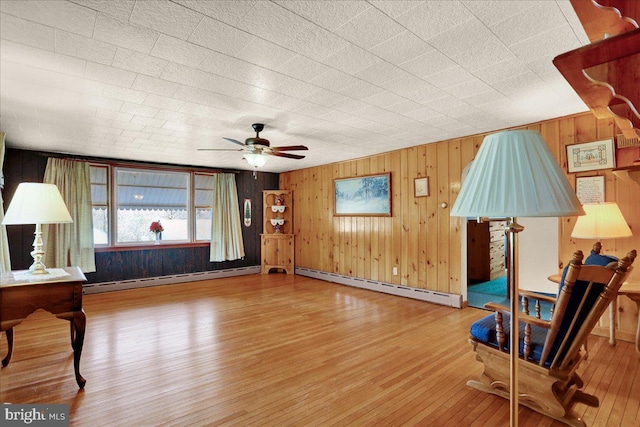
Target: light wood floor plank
[281,350]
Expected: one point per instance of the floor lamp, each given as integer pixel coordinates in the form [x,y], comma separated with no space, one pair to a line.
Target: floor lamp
[515,175]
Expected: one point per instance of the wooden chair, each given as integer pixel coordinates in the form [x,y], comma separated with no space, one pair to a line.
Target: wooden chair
[550,351]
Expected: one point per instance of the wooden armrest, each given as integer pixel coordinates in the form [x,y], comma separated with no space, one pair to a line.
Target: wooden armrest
[521,316]
[540,297]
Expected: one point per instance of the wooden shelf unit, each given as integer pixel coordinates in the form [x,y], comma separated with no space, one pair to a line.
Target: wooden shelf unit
[277,238]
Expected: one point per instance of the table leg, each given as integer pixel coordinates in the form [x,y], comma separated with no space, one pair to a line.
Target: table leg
[636,298]
[613,309]
[7,358]
[78,324]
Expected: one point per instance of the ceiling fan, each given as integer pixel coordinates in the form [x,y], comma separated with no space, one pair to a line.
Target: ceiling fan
[256,148]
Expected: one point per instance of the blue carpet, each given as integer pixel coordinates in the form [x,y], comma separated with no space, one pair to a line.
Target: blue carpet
[496,286]
[496,291]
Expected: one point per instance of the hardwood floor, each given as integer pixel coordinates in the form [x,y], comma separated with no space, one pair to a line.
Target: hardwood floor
[281,350]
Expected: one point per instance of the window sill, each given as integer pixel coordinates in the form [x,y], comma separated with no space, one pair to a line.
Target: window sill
[150,246]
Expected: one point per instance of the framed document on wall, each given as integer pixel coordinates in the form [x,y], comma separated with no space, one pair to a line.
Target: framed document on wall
[590,189]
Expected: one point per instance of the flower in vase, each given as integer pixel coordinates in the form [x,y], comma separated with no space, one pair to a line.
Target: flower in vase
[156,227]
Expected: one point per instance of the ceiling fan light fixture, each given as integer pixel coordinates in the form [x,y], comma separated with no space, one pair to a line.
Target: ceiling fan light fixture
[256,160]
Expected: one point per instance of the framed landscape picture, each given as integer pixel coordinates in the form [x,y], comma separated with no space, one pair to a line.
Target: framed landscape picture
[590,156]
[363,196]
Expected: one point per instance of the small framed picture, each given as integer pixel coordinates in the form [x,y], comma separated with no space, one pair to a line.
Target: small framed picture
[591,156]
[421,187]
[590,189]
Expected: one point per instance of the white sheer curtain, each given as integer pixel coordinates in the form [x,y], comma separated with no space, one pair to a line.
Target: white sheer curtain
[5,261]
[71,244]
[226,229]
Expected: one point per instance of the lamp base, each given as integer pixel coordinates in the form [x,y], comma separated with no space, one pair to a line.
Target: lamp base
[38,266]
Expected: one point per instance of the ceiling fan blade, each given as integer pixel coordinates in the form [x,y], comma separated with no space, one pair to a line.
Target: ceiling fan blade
[235,141]
[289,148]
[220,149]
[287,155]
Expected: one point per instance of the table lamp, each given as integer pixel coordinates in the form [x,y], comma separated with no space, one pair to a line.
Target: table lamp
[515,175]
[602,221]
[35,203]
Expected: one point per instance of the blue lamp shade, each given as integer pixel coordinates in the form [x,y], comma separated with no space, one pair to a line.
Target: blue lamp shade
[515,175]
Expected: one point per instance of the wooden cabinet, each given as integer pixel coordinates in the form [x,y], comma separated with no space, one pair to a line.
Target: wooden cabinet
[277,231]
[485,250]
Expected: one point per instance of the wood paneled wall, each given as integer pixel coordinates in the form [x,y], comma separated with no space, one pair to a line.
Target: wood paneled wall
[29,166]
[421,240]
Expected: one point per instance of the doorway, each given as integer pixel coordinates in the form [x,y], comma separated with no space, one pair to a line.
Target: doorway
[486,263]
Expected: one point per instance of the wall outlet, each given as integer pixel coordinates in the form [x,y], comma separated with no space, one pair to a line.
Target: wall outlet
[395,271]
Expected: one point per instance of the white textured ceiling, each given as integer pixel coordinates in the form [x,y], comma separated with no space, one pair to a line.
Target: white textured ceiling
[155,80]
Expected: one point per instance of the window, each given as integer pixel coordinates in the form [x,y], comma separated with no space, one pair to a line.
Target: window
[143,197]
[204,205]
[100,203]
[126,200]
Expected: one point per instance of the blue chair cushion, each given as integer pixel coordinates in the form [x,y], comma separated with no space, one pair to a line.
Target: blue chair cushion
[601,260]
[484,330]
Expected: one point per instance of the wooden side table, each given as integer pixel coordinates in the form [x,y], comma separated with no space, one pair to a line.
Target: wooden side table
[62,296]
[631,289]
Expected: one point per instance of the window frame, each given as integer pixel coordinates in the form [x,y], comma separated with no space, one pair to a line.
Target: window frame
[112,207]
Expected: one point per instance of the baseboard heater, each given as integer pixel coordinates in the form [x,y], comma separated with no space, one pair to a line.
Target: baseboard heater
[95,288]
[442,298]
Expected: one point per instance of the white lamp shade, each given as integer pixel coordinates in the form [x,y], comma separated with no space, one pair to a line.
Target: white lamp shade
[255,160]
[602,221]
[35,203]
[516,175]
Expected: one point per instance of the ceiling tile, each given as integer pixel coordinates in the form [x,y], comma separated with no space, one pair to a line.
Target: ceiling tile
[120,9]
[361,89]
[138,62]
[153,85]
[430,18]
[369,28]
[316,42]
[148,121]
[26,32]
[329,15]
[57,14]
[124,94]
[180,51]
[140,110]
[432,62]
[395,8]
[26,55]
[110,75]
[351,59]
[450,77]
[272,22]
[220,37]
[265,54]
[384,99]
[542,45]
[230,11]
[84,48]
[163,102]
[484,55]
[463,38]
[493,11]
[121,33]
[529,23]
[113,115]
[501,70]
[469,88]
[166,17]
[412,46]
[303,68]
[324,97]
